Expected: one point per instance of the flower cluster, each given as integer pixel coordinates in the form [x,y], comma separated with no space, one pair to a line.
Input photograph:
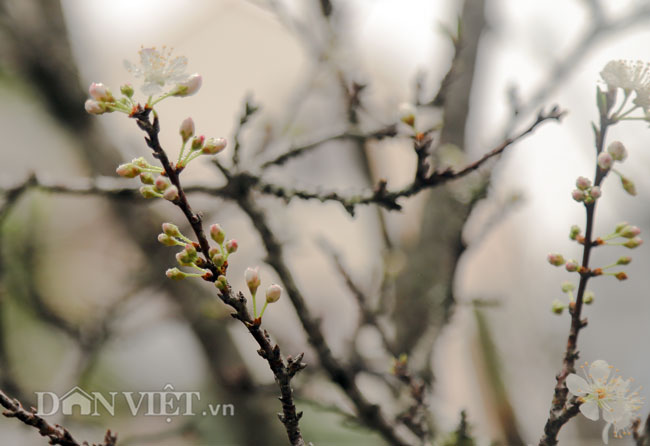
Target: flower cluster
[161,74]
[273,292]
[630,77]
[597,392]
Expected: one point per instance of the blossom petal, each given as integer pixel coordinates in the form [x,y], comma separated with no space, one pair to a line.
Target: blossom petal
[577,385]
[605,434]
[599,370]
[590,410]
[614,411]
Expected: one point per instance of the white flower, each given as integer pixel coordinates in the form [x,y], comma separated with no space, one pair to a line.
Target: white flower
[158,69]
[626,74]
[600,392]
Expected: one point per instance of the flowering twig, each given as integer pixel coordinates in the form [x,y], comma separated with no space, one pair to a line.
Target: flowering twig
[57,435]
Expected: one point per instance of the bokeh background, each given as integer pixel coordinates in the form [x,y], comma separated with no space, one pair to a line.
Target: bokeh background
[84,300]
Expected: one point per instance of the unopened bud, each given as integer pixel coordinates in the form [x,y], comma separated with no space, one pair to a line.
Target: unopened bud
[572,266]
[197,142]
[633,243]
[231,246]
[555,259]
[605,161]
[630,231]
[628,185]
[94,108]
[619,226]
[218,260]
[252,277]
[184,259]
[595,192]
[191,251]
[583,183]
[146,178]
[567,287]
[161,183]
[557,306]
[621,276]
[128,170]
[273,293]
[189,86]
[166,240]
[625,260]
[140,162]
[217,234]
[171,230]
[148,192]
[127,90]
[187,129]
[221,283]
[214,145]
[100,92]
[171,193]
[578,195]
[588,298]
[175,274]
[574,232]
[617,150]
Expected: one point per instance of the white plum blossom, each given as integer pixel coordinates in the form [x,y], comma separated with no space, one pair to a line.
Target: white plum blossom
[630,76]
[158,69]
[599,392]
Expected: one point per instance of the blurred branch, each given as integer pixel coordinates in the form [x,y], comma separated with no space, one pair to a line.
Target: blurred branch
[57,435]
[641,438]
[249,110]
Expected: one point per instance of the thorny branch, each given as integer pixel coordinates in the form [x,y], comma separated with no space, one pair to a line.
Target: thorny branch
[271,353]
[57,435]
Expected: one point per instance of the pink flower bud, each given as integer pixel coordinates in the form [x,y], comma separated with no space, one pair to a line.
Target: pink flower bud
[555,259]
[628,185]
[171,193]
[617,150]
[166,240]
[624,260]
[187,129]
[197,142]
[605,161]
[189,86]
[630,231]
[633,243]
[140,162]
[161,183]
[94,107]
[171,230]
[595,192]
[217,234]
[175,274]
[583,183]
[148,192]
[146,178]
[214,145]
[572,266]
[100,93]
[578,195]
[183,259]
[273,293]
[218,260]
[252,277]
[128,170]
[231,246]
[191,251]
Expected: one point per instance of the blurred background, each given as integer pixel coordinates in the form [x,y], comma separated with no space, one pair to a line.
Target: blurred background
[458,278]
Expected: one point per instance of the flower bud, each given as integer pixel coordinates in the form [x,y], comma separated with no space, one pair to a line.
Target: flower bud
[578,195]
[221,283]
[621,276]
[574,232]
[252,277]
[557,306]
[617,150]
[217,233]
[572,266]
[166,240]
[94,108]
[128,170]
[171,230]
[175,274]
[140,162]
[629,231]
[187,129]
[127,90]
[605,161]
[619,226]
[197,142]
[628,185]
[588,297]
[595,192]
[148,192]
[214,145]
[213,251]
[625,260]
[633,243]
[189,86]
[567,287]
[99,92]
[273,293]
[555,259]
[218,260]
[191,251]
[231,246]
[184,259]
[146,178]
[171,193]
[161,183]
[583,183]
